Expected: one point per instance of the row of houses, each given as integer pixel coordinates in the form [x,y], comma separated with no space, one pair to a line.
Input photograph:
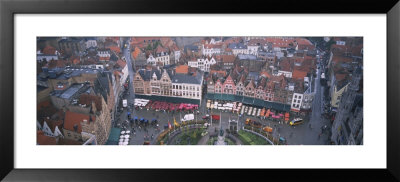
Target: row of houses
[77,98]
[298,93]
[175,82]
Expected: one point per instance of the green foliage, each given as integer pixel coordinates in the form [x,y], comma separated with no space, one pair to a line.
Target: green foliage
[251,139]
[189,135]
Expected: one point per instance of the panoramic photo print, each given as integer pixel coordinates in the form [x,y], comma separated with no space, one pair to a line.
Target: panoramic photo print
[226,90]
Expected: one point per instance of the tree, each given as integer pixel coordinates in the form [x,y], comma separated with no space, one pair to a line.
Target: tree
[149,47]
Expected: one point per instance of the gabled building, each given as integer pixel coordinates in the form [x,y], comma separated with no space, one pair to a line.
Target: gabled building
[104,54]
[250,89]
[238,48]
[204,64]
[347,128]
[211,49]
[162,56]
[151,60]
[229,87]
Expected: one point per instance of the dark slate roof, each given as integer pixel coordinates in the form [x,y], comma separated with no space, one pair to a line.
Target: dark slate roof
[185,78]
[113,57]
[237,46]
[72,72]
[191,48]
[359,70]
[71,39]
[247,57]
[101,86]
[148,74]
[40,88]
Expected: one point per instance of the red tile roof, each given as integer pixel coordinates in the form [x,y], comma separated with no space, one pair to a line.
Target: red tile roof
[42,139]
[53,123]
[45,109]
[114,48]
[182,69]
[220,73]
[228,58]
[257,42]
[303,41]
[73,118]
[286,65]
[88,99]
[340,76]
[266,74]
[299,74]
[121,63]
[339,58]
[160,49]
[56,64]
[43,104]
[279,42]
[49,50]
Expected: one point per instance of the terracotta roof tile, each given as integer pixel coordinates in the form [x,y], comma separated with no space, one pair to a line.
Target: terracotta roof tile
[49,50]
[121,63]
[53,123]
[182,69]
[42,139]
[299,74]
[73,118]
[228,58]
[88,99]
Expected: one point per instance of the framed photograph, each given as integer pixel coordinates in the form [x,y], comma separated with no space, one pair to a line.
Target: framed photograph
[208,86]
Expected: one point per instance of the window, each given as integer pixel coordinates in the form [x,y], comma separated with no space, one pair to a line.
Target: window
[298,101]
[294,105]
[295,96]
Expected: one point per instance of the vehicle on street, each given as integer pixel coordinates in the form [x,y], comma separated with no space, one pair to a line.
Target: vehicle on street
[124,103]
[267,129]
[253,123]
[206,116]
[296,121]
[215,117]
[188,117]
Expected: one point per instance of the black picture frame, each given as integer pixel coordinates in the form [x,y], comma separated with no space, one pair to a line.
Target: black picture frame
[9,8]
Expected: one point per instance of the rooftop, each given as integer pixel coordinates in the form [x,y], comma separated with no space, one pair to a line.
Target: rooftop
[74,119]
[247,57]
[185,78]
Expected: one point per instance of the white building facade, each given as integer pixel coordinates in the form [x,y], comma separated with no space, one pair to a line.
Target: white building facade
[297,101]
[162,58]
[151,60]
[205,63]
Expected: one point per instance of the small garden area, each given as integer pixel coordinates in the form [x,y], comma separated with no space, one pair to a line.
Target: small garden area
[189,137]
[251,139]
[164,137]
